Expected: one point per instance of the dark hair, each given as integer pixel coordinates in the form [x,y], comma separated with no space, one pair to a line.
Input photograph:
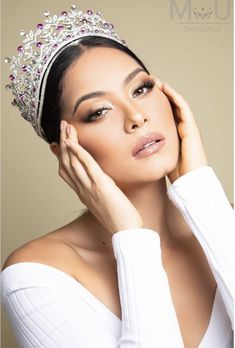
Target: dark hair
[51,114]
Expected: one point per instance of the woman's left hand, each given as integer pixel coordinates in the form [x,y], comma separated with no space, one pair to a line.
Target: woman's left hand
[192,154]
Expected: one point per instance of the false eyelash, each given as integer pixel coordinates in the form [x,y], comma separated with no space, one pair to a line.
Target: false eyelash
[91,115]
[145,83]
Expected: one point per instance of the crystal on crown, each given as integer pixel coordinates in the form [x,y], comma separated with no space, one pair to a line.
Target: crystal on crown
[30,67]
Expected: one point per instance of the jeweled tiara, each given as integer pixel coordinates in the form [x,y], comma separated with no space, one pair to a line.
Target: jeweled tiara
[35,56]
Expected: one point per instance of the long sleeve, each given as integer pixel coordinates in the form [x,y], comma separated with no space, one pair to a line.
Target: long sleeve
[201,199]
[147,308]
[48,308]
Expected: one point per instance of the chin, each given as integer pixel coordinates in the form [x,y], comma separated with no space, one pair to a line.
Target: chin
[158,171]
[160,164]
[153,171]
[145,170]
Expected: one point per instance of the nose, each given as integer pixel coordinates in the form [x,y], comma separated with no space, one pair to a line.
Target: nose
[134,117]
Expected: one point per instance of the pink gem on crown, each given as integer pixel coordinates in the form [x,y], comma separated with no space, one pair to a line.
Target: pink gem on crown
[30,67]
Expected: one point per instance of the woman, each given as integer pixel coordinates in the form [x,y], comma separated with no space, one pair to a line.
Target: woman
[144,266]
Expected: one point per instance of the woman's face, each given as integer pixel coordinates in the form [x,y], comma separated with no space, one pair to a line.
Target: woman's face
[129,112]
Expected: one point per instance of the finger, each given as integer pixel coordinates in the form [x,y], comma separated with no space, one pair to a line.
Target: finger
[64,156]
[91,166]
[64,160]
[78,172]
[183,110]
[66,178]
[63,147]
[175,97]
[174,107]
[159,82]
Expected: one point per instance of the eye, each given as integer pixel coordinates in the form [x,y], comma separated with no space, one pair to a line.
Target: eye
[148,84]
[95,114]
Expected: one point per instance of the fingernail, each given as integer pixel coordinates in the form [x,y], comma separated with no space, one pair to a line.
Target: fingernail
[61,125]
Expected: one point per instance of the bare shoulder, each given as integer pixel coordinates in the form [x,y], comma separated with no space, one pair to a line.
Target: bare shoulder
[68,248]
[48,250]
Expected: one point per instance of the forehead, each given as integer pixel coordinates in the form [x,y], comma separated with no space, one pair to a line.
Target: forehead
[99,65]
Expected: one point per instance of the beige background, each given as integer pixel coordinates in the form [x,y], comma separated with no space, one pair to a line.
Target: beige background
[195,58]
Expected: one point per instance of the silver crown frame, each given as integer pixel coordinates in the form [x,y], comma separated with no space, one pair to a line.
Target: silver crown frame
[31,66]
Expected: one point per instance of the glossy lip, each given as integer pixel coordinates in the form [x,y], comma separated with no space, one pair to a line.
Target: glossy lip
[148,138]
[156,147]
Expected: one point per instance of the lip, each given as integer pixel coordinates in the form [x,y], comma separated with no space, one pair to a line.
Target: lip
[149,137]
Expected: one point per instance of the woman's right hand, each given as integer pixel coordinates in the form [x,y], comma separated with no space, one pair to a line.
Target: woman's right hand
[96,190]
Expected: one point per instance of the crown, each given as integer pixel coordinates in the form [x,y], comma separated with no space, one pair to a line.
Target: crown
[29,69]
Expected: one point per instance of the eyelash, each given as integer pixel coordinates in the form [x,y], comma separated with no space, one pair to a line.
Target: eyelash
[146,83]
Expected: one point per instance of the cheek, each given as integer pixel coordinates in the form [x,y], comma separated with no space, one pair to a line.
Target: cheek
[103,147]
[174,144]
[100,145]
[159,109]
[170,125]
[165,107]
[167,124]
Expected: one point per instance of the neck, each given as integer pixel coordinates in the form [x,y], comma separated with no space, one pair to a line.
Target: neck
[152,203]
[157,211]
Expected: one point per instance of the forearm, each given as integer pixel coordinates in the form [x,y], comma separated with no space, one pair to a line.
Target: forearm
[201,199]
[148,314]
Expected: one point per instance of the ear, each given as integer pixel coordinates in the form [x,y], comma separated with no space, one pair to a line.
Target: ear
[55,148]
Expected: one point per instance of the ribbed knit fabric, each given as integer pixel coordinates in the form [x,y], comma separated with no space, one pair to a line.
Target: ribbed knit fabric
[49,308]
[201,199]
[142,279]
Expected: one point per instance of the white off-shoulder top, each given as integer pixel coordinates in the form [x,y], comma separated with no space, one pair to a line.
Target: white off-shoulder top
[49,308]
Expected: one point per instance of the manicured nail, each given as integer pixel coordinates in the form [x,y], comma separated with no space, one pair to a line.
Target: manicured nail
[62,124]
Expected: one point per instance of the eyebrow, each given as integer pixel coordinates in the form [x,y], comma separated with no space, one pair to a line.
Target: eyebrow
[96,94]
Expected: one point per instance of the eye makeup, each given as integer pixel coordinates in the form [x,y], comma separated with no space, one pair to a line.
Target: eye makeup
[146,83]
